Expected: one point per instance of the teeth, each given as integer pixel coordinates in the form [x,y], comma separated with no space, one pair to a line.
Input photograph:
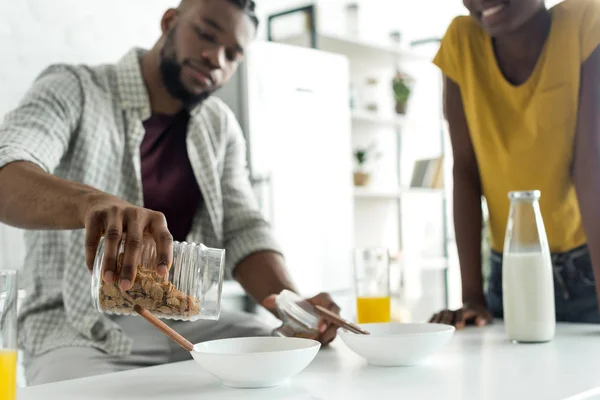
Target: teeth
[492,10]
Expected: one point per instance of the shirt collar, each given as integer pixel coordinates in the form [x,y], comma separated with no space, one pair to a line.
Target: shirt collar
[132,88]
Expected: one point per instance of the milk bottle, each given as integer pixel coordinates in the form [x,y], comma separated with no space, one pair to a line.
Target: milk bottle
[527,278]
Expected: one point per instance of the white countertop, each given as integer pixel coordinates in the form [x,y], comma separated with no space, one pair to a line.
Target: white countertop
[477,364]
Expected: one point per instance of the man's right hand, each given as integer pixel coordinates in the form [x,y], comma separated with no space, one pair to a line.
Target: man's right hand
[469,314]
[112,217]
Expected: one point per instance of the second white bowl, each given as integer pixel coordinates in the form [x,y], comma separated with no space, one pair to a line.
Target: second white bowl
[396,344]
[256,362]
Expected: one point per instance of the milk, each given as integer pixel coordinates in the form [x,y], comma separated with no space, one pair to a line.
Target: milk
[528,297]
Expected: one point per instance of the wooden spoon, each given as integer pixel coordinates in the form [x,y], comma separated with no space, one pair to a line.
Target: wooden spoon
[339,321]
[166,329]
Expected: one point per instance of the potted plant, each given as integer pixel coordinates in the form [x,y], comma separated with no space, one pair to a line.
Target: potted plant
[402,86]
[364,156]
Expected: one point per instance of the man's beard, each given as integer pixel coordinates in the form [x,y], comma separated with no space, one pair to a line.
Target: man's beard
[170,70]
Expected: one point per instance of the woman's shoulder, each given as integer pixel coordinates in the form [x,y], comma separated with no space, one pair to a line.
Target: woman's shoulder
[464,24]
[576,10]
[579,20]
[464,35]
[460,46]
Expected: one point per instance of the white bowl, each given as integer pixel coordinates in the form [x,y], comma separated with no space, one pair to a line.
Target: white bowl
[256,362]
[398,345]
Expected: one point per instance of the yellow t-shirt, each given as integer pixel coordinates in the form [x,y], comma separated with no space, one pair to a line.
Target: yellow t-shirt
[523,136]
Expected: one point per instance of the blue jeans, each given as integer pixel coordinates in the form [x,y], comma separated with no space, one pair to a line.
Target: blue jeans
[574,286]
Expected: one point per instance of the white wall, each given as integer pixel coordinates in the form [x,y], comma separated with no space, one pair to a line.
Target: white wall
[35,33]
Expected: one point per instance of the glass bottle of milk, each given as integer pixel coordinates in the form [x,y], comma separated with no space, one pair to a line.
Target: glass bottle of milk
[527,275]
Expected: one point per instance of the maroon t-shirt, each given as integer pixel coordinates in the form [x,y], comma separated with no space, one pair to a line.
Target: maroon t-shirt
[168,180]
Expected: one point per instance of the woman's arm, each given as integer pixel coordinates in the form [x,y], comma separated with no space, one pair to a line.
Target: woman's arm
[467,196]
[586,163]
[467,215]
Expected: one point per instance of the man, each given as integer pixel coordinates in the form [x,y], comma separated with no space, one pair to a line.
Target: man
[88,146]
[521,99]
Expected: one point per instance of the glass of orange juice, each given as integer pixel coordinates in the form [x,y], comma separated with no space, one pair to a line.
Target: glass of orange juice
[8,335]
[372,280]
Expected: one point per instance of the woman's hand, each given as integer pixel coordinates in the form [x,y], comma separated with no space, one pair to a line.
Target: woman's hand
[469,314]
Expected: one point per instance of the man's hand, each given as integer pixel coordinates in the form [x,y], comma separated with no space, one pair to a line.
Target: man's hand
[327,331]
[469,314]
[112,217]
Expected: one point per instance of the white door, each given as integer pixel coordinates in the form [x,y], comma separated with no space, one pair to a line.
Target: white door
[300,137]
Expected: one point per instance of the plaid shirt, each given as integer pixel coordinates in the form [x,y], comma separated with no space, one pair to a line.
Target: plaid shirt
[84,124]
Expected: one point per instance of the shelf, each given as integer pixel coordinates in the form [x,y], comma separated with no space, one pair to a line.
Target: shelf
[392,194]
[375,118]
[358,50]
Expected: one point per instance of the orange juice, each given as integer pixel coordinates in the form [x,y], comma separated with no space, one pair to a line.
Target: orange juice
[373,309]
[8,374]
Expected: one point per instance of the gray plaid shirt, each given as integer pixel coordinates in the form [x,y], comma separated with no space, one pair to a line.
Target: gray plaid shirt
[85,124]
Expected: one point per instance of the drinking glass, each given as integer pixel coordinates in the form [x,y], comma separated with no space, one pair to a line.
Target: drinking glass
[372,280]
[8,335]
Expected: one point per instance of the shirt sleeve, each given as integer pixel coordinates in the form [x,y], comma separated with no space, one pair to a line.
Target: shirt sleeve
[245,230]
[447,58]
[590,28]
[39,129]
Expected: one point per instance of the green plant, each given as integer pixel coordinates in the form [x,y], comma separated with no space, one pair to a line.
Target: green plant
[366,155]
[402,87]
[361,156]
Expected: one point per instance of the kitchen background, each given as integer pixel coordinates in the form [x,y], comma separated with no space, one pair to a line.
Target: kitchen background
[404,206]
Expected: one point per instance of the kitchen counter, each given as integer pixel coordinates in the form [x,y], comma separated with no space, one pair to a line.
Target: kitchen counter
[477,364]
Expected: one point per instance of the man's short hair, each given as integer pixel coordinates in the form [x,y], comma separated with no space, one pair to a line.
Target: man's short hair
[247,6]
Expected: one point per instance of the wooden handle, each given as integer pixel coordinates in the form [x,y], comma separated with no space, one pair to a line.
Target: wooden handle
[176,337]
[339,321]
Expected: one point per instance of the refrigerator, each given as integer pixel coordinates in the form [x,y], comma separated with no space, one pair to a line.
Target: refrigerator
[293,106]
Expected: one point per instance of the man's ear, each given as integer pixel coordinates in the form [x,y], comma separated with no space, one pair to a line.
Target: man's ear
[168,20]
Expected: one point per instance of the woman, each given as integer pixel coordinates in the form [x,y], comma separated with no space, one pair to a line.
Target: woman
[522,98]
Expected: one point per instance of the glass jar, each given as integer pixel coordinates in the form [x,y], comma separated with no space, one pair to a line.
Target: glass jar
[527,273]
[191,291]
[298,315]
